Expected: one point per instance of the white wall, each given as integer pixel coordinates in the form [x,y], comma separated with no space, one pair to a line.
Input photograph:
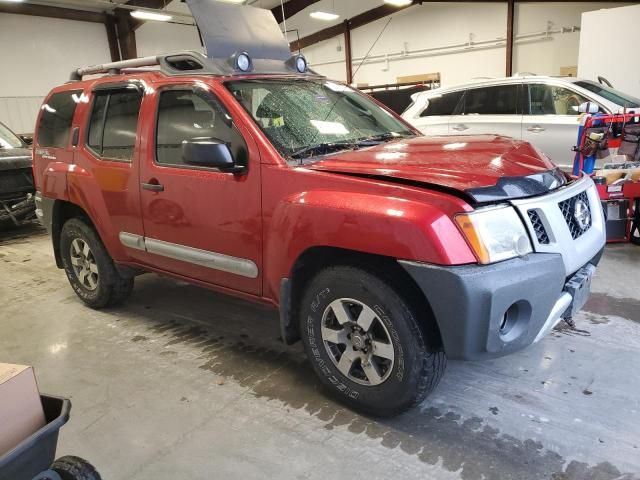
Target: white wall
[37,54]
[153,38]
[618,59]
[437,25]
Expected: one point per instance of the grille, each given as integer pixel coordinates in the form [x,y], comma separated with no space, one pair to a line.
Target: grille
[567,207]
[538,227]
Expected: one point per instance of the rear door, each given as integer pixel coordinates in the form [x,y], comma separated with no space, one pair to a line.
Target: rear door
[105,180]
[489,110]
[551,121]
[431,115]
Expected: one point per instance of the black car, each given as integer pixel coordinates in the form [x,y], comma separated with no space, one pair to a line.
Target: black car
[16,179]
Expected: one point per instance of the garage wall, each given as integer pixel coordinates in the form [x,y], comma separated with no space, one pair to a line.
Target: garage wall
[620,63]
[37,54]
[443,28]
[153,38]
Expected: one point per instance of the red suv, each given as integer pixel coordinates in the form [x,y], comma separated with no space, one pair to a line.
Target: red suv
[383,250]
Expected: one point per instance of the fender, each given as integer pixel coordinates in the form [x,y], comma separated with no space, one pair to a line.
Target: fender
[363,222]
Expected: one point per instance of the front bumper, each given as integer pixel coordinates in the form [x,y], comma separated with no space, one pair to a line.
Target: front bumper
[469,302]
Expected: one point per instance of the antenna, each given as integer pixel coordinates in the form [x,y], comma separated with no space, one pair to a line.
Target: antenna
[372,45]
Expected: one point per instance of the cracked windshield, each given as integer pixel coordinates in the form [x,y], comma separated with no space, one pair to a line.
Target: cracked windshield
[312,118]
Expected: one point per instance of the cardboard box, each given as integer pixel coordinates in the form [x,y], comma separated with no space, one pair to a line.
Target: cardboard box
[21,413]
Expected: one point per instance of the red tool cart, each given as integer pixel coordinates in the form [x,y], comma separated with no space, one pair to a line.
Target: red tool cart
[618,182]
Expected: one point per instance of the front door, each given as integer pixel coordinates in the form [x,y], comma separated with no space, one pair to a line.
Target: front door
[200,222]
[553,121]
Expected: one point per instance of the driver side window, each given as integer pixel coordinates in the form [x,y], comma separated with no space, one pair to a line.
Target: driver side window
[185,115]
[552,100]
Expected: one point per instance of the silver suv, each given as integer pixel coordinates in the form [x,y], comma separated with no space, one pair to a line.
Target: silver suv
[540,110]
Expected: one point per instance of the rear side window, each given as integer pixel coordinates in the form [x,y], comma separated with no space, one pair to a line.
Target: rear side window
[442,105]
[113,124]
[54,126]
[498,100]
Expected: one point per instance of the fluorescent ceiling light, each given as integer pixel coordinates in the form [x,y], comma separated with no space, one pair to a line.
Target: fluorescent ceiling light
[13,1]
[147,15]
[326,16]
[399,3]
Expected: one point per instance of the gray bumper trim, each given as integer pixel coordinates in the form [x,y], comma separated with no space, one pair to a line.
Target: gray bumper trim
[469,302]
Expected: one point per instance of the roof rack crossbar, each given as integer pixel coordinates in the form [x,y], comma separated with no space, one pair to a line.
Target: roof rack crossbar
[110,67]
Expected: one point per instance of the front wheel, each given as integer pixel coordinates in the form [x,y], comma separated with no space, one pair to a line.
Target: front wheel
[365,343]
[89,268]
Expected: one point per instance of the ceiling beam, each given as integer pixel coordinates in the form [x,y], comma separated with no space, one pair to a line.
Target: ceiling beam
[126,34]
[510,22]
[291,8]
[354,22]
[52,12]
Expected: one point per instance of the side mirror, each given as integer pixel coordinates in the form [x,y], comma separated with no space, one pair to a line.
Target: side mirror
[27,139]
[588,107]
[212,153]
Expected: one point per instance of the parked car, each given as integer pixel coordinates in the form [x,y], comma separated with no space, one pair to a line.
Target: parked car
[539,110]
[16,179]
[385,252]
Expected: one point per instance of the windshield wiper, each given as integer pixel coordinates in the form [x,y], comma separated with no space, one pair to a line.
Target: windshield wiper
[380,138]
[322,148]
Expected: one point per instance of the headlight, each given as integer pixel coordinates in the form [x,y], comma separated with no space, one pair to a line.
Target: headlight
[495,234]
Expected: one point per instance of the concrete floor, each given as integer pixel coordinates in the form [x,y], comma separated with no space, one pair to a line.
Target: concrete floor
[182,383]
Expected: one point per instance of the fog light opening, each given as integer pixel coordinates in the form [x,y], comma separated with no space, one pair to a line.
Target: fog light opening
[509,319]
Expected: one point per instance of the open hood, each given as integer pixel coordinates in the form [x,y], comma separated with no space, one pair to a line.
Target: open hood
[484,168]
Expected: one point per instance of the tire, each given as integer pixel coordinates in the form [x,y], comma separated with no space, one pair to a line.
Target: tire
[407,369]
[96,280]
[25,210]
[75,468]
[634,233]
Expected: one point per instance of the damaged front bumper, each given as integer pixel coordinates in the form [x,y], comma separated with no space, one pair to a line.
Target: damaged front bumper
[493,310]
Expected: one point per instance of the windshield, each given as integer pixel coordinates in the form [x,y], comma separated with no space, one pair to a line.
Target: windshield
[8,139]
[610,94]
[306,118]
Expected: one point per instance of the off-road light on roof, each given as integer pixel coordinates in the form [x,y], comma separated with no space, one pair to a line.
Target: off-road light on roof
[326,16]
[147,15]
[242,61]
[301,64]
[399,3]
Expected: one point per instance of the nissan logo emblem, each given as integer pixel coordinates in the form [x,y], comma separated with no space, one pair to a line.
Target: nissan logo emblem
[581,214]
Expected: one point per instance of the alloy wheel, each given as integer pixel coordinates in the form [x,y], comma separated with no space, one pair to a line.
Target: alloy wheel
[357,341]
[84,264]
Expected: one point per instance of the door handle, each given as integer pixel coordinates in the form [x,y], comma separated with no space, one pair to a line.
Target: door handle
[461,127]
[153,186]
[536,129]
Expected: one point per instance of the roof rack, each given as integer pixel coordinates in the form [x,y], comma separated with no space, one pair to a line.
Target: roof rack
[190,63]
[170,64]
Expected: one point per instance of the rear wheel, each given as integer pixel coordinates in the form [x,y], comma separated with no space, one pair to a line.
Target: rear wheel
[89,268]
[365,343]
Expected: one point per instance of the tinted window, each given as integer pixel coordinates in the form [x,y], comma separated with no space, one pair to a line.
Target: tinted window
[97,122]
[611,94]
[113,124]
[185,115]
[499,100]
[55,120]
[443,105]
[551,100]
